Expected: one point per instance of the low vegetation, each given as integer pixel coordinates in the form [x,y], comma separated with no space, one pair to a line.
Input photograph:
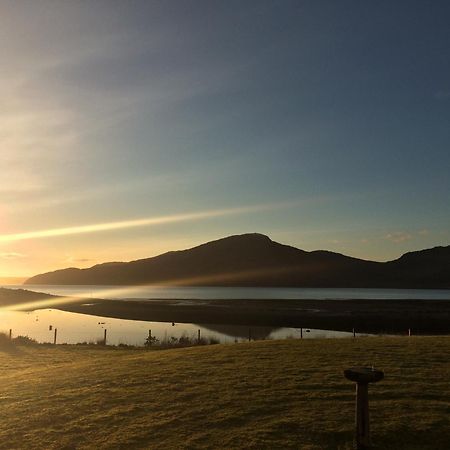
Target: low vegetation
[266,394]
[10,344]
[152,342]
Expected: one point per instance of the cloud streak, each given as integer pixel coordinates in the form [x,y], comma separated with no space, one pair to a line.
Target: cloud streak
[151,221]
[398,236]
[11,255]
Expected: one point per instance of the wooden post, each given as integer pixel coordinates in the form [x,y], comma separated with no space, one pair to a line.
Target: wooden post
[362,376]
[104,338]
[54,338]
[149,336]
[301,333]
[10,334]
[362,416]
[198,338]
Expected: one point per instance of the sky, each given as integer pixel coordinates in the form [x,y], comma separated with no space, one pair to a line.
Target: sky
[128,129]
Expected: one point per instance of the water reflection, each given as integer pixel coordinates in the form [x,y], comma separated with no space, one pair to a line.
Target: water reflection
[75,328]
[240,332]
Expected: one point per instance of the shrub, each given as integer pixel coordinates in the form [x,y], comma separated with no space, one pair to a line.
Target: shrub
[185,341]
[150,341]
[24,340]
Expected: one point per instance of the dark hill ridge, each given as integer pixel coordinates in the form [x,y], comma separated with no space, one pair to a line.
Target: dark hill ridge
[256,260]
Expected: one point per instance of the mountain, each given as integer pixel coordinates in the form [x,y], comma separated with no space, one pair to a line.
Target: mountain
[256,260]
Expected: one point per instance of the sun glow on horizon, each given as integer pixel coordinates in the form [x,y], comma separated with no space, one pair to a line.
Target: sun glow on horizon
[123,291]
[26,249]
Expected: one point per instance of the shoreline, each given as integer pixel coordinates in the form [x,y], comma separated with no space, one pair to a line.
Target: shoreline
[363,315]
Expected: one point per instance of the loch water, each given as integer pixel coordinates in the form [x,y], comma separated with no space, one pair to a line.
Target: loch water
[224,293]
[75,328]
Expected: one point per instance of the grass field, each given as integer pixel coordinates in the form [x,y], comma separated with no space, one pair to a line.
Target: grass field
[268,394]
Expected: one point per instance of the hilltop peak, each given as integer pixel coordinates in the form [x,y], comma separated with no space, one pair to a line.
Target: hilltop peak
[246,237]
[253,259]
[259,236]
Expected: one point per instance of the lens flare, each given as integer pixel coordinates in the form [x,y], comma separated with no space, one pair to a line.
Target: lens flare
[127,291]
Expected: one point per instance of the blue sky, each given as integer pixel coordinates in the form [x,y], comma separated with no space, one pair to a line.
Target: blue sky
[331,117]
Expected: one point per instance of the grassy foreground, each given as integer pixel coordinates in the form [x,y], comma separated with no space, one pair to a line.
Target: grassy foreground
[269,394]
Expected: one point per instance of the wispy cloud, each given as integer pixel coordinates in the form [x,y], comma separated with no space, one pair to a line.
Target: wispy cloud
[72,259]
[398,236]
[335,241]
[35,137]
[11,255]
[403,236]
[54,198]
[57,97]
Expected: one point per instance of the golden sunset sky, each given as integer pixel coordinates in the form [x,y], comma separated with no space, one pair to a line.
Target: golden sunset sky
[128,129]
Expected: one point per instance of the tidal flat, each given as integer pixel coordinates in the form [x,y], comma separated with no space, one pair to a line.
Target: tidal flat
[377,316]
[365,316]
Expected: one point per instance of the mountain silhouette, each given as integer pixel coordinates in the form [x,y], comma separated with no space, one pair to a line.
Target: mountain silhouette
[256,260]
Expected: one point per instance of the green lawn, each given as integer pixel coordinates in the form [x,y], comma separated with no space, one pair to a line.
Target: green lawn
[267,394]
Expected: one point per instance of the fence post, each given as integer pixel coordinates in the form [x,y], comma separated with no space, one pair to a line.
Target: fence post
[301,333]
[54,338]
[199,336]
[10,334]
[104,338]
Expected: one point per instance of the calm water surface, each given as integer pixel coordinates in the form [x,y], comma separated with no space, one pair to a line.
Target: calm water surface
[76,328]
[146,292]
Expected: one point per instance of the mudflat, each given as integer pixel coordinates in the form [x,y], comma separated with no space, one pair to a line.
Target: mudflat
[367,316]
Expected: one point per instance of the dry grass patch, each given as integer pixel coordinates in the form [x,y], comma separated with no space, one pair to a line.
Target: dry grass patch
[271,394]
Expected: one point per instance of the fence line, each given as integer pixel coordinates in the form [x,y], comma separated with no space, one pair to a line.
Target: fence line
[153,340]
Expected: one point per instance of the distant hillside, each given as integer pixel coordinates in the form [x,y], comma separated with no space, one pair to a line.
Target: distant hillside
[256,260]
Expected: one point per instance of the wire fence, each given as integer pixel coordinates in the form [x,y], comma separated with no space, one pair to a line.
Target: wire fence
[105,336]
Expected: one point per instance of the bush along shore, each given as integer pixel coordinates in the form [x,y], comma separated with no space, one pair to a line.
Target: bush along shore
[7,342]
